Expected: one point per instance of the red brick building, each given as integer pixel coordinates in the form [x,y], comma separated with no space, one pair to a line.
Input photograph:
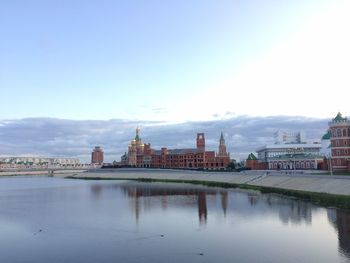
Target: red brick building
[339,129]
[97,155]
[142,155]
[253,163]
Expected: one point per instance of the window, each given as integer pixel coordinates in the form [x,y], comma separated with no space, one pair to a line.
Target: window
[333,133]
[339,133]
[337,142]
[346,151]
[338,153]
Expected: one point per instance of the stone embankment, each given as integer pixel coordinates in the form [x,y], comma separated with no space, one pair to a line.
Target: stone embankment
[61,172]
[336,185]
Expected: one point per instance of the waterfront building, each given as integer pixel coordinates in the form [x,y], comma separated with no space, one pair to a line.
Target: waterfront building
[97,155]
[291,151]
[339,129]
[142,155]
[17,162]
[283,137]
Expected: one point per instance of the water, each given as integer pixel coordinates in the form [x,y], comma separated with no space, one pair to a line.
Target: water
[59,220]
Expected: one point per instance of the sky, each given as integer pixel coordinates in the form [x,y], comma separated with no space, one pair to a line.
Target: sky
[76,138]
[173,61]
[75,74]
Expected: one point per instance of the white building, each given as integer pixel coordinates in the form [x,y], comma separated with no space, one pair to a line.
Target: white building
[291,151]
[40,162]
[282,137]
[267,152]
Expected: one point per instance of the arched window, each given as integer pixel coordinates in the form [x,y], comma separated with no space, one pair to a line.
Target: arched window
[339,132]
[348,132]
[344,132]
[337,143]
[334,133]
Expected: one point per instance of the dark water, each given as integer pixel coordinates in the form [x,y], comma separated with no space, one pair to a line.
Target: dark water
[60,220]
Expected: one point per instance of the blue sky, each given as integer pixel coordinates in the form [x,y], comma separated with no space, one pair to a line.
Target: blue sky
[173,61]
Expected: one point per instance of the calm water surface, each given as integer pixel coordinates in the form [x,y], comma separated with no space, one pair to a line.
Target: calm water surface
[60,220]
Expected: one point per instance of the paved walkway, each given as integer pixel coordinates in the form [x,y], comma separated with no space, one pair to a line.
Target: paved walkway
[339,185]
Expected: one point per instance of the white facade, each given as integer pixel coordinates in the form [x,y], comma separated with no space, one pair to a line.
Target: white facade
[40,161]
[289,137]
[268,152]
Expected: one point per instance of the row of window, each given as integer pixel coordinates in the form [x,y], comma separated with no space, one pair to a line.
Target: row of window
[340,132]
[337,143]
[340,152]
[290,166]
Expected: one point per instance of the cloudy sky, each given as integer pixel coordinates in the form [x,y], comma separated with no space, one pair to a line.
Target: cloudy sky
[71,138]
[75,73]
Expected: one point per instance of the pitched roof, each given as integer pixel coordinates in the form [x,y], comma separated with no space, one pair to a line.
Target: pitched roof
[326,136]
[251,156]
[339,118]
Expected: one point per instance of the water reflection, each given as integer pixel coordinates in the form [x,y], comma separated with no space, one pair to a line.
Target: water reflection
[147,192]
[52,220]
[340,219]
[289,210]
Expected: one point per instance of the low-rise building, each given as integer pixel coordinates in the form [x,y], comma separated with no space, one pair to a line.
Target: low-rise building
[291,151]
[142,155]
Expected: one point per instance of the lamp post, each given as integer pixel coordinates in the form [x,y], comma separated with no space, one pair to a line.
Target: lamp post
[330,163]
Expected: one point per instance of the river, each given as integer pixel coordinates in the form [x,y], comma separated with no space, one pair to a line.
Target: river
[45,219]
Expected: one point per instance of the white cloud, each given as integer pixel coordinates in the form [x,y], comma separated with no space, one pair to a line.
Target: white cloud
[57,137]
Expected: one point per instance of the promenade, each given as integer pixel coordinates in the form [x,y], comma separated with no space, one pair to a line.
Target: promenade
[336,185]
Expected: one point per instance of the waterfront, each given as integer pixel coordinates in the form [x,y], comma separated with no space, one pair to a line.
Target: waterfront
[59,220]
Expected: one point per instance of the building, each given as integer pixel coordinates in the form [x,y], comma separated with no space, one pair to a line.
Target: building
[17,162]
[253,163]
[291,151]
[282,137]
[142,155]
[339,129]
[97,155]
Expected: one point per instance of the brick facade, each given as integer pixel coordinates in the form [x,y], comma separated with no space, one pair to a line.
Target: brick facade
[142,155]
[339,129]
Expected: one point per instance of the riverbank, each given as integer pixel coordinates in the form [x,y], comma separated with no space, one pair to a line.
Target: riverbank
[41,172]
[322,189]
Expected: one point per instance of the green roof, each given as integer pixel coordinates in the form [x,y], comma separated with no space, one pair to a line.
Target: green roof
[326,136]
[339,118]
[251,157]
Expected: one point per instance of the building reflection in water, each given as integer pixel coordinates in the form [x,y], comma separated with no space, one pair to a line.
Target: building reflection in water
[246,204]
[147,192]
[340,219]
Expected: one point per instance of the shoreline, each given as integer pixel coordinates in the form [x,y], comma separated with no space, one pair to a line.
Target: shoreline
[319,189]
[46,172]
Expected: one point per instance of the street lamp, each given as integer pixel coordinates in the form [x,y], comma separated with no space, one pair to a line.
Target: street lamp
[330,163]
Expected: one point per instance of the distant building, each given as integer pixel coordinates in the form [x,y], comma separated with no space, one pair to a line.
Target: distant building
[290,137]
[253,163]
[339,129]
[97,155]
[291,151]
[17,162]
[142,155]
